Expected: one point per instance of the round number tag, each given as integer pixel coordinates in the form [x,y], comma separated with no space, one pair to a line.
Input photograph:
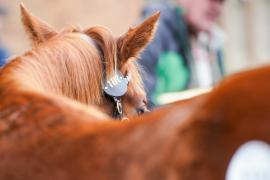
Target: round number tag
[116,86]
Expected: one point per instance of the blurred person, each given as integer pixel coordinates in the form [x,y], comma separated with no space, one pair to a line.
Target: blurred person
[4,53]
[186,51]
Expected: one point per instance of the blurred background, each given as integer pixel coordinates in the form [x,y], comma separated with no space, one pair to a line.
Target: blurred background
[117,15]
[246,24]
[246,33]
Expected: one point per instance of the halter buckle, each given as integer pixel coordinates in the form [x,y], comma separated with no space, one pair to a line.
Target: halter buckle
[118,109]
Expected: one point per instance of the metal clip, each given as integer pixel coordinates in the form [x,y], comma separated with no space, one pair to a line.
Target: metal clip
[119,108]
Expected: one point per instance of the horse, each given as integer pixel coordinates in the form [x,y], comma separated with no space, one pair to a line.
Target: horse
[194,139]
[41,138]
[86,69]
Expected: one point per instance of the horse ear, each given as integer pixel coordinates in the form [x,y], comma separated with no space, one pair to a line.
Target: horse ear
[38,30]
[132,43]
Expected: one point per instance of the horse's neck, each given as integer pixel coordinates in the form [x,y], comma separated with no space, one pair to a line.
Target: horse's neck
[233,114]
[198,138]
[68,74]
[192,140]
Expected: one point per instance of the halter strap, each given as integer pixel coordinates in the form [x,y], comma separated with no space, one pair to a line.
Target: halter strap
[116,86]
[88,39]
[92,42]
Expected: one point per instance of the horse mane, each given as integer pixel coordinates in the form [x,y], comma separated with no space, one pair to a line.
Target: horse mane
[67,65]
[107,43]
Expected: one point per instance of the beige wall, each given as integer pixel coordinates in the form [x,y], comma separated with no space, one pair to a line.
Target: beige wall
[118,15]
[247,26]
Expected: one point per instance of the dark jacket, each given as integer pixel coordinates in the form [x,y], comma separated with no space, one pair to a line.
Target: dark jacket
[3,56]
[166,59]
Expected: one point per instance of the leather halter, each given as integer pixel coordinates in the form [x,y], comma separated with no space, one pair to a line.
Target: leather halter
[115,86]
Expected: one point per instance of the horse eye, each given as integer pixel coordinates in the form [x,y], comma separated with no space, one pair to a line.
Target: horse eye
[142,110]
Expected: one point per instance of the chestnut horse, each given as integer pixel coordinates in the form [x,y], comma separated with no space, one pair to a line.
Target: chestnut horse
[73,66]
[188,140]
[41,138]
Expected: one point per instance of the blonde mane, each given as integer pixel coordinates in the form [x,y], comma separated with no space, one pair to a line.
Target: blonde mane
[75,63]
[70,66]
[66,65]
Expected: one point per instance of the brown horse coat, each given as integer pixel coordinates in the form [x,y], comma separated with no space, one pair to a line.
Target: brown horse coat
[191,140]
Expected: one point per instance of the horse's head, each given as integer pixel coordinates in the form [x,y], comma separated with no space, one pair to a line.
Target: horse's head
[115,80]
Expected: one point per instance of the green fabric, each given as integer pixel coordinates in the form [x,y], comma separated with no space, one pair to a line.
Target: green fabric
[180,10]
[172,74]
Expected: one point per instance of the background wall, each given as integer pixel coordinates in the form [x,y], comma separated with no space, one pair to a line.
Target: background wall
[247,25]
[118,15]
[245,22]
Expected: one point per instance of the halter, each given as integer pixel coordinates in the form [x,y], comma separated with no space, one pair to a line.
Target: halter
[115,86]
